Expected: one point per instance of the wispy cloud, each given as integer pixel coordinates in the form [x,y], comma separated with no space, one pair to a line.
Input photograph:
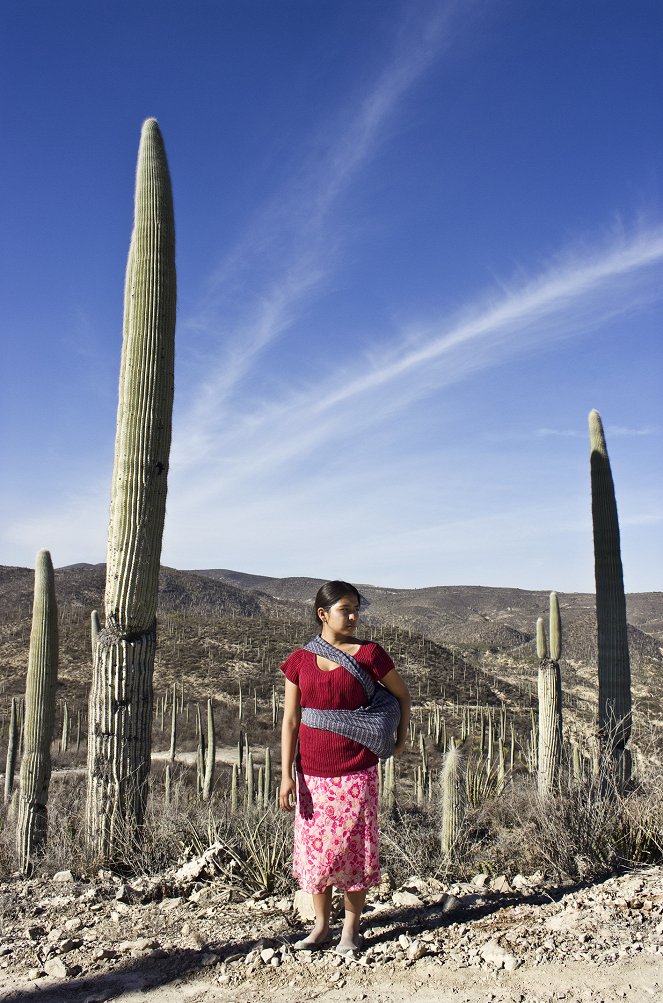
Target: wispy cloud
[564,301]
[611,431]
[289,249]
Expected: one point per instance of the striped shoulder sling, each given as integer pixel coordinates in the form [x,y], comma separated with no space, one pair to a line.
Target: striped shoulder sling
[374,725]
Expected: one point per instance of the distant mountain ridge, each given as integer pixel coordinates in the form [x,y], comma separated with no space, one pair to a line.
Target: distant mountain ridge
[466,617]
[459,614]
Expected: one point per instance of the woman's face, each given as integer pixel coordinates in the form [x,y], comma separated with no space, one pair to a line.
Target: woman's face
[343,616]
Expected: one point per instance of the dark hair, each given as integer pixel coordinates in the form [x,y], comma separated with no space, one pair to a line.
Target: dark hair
[330,593]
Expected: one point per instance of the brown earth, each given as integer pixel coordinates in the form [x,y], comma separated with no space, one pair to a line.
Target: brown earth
[182,938]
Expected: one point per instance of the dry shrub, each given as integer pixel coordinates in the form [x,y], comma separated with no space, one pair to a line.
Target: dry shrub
[581,832]
[410,840]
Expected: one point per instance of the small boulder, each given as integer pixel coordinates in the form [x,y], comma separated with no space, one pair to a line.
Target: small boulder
[63,876]
[407,900]
[501,884]
[495,955]
[56,968]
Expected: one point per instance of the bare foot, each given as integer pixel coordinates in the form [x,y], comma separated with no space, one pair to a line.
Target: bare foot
[315,939]
[350,943]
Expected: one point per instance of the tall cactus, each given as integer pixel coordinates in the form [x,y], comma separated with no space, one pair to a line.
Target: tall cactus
[121,696]
[550,702]
[39,716]
[614,670]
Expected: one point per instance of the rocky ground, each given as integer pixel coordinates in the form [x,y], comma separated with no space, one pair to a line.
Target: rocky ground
[182,937]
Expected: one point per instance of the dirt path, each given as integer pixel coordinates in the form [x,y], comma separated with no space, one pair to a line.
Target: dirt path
[188,942]
[630,980]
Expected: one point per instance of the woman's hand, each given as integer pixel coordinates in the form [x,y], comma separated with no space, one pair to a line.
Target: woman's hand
[288,794]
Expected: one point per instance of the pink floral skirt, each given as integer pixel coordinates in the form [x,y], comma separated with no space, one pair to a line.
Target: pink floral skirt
[336,832]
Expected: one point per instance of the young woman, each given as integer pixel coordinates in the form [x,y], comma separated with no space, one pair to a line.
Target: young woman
[336,792]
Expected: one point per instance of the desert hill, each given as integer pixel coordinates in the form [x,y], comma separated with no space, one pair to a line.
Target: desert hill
[476,617]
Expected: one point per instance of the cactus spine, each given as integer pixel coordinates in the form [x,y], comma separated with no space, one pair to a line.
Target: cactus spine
[550,702]
[121,697]
[614,712]
[39,716]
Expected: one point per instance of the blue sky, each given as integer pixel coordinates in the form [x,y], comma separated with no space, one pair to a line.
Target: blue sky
[417,242]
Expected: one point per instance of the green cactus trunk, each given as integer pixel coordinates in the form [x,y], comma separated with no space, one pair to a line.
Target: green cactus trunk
[550,705]
[210,758]
[173,728]
[614,670]
[12,750]
[453,799]
[39,716]
[64,740]
[121,698]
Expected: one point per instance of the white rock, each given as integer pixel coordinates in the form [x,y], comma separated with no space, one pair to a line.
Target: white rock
[267,954]
[73,924]
[63,876]
[495,955]
[100,953]
[416,950]
[140,945]
[406,899]
[404,941]
[56,968]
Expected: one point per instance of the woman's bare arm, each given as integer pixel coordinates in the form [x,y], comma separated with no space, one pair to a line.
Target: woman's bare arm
[292,713]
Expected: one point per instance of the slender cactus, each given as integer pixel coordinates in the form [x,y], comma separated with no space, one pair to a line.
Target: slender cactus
[210,758]
[250,780]
[268,775]
[64,740]
[614,670]
[121,698]
[200,754]
[453,798]
[173,728]
[234,783]
[39,716]
[12,750]
[550,705]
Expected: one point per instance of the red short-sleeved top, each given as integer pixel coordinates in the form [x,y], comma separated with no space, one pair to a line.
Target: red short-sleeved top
[323,753]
